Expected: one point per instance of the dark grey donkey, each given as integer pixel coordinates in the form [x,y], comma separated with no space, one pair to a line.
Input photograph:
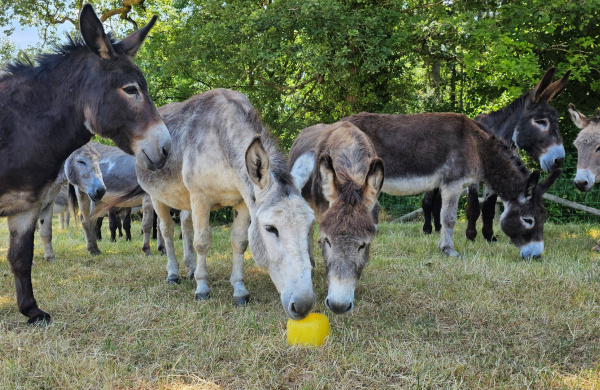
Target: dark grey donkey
[531,124]
[341,176]
[448,151]
[223,156]
[81,170]
[89,86]
[118,172]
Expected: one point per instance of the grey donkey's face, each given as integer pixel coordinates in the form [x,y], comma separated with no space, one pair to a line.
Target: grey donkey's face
[82,169]
[588,149]
[278,234]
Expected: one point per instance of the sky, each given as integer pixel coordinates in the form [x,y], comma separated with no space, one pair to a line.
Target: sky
[28,36]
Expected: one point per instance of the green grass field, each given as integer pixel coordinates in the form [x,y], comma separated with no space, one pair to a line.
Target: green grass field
[486,320]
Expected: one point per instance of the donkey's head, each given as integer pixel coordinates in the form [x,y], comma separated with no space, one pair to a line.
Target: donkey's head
[115,96]
[347,227]
[279,230]
[524,215]
[588,149]
[82,169]
[536,130]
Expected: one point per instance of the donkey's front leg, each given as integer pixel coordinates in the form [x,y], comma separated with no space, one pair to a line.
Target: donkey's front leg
[88,225]
[202,241]
[472,210]
[46,231]
[239,242]
[167,227]
[187,235]
[450,195]
[20,257]
[487,214]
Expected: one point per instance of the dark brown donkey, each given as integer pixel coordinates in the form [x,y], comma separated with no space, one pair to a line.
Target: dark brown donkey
[89,86]
[343,191]
[531,124]
[448,151]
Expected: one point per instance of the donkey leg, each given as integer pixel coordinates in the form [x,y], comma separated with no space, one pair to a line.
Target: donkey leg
[167,227]
[99,228]
[202,241]
[61,220]
[239,242]
[147,222]
[487,214]
[450,196]
[67,214]
[187,233]
[112,224]
[427,205]
[437,209]
[127,224]
[46,231]
[154,225]
[160,241]
[88,225]
[472,210]
[20,258]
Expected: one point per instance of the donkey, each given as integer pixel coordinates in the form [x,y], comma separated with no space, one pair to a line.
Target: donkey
[81,170]
[223,156]
[447,151]
[89,86]
[343,193]
[531,124]
[61,207]
[118,172]
[588,151]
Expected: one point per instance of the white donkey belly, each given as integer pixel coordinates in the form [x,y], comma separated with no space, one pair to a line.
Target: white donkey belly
[411,185]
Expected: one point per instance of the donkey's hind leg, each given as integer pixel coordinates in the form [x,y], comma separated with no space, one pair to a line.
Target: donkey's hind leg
[147,222]
[472,210]
[427,205]
[239,242]
[202,241]
[46,231]
[450,195]
[20,258]
[487,214]
[187,235]
[167,227]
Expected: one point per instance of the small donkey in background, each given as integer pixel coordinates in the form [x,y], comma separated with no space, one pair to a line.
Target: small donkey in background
[343,192]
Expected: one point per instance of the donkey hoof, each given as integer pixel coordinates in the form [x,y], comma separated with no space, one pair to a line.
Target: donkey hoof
[427,229]
[173,279]
[451,252]
[190,275]
[147,251]
[471,234]
[95,252]
[241,301]
[41,319]
[491,239]
[201,296]
[596,248]
[50,259]
[162,250]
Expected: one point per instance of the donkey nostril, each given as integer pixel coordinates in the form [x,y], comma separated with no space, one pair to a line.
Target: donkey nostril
[327,303]
[349,307]
[165,152]
[293,308]
[558,162]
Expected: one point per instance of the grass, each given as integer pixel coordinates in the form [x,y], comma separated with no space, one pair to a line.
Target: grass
[486,320]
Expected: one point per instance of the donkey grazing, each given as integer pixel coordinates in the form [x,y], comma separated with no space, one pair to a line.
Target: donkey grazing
[588,151]
[118,172]
[447,151]
[89,86]
[81,170]
[531,124]
[343,192]
[223,156]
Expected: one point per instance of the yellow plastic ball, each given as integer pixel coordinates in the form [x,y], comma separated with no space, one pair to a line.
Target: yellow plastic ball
[312,330]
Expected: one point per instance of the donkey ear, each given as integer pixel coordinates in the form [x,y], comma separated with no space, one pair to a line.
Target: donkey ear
[93,33]
[543,84]
[547,183]
[257,163]
[531,183]
[555,88]
[131,43]
[303,168]
[578,118]
[328,178]
[373,182]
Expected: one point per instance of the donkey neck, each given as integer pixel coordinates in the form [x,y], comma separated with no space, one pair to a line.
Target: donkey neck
[503,171]
[503,122]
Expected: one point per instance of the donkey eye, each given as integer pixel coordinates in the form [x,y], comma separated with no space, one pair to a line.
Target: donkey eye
[527,221]
[272,230]
[327,242]
[362,247]
[81,162]
[543,123]
[597,149]
[130,90]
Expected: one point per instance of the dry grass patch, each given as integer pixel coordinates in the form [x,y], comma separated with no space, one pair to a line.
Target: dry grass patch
[421,320]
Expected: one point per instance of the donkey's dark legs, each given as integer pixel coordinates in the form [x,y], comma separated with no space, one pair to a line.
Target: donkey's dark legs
[113,224]
[239,242]
[147,222]
[154,224]
[472,211]
[46,231]
[487,214]
[427,205]
[126,218]
[88,224]
[437,209]
[20,257]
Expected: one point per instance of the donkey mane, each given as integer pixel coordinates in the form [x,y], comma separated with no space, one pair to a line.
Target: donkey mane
[488,121]
[498,171]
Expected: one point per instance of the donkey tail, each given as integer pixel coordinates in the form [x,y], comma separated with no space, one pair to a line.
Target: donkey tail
[73,204]
[101,208]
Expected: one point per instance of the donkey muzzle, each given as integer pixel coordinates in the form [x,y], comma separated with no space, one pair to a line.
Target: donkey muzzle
[584,180]
[553,158]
